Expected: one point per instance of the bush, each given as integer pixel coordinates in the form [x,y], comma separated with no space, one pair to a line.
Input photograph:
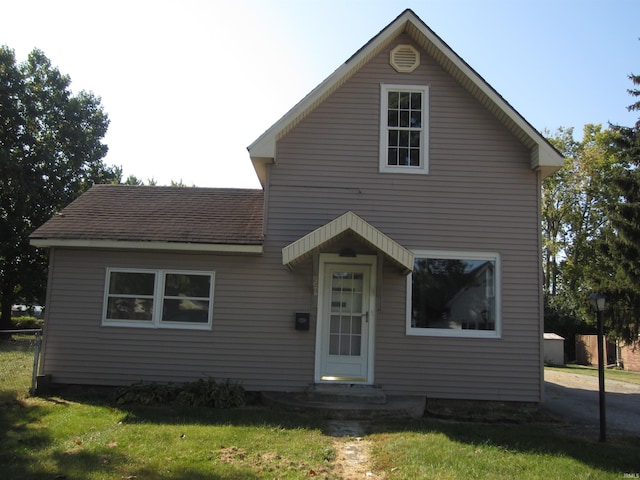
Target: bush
[202,393]
[26,323]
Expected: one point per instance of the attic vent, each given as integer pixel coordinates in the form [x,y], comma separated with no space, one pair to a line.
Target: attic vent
[404,58]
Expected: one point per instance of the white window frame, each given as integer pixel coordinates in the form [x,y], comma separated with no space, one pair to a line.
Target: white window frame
[158,301]
[446,332]
[423,168]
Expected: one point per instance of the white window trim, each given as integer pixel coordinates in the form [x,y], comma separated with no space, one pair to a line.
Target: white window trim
[423,168]
[446,332]
[158,297]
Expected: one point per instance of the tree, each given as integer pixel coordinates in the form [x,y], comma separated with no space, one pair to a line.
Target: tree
[618,277]
[574,218]
[51,150]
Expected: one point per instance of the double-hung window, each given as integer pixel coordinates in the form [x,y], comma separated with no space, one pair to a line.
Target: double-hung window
[158,299]
[454,294]
[404,129]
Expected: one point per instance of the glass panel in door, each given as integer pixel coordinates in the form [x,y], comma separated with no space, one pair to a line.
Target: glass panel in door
[345,329]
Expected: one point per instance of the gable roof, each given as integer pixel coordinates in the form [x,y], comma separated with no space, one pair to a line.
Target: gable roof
[168,218]
[301,248]
[544,157]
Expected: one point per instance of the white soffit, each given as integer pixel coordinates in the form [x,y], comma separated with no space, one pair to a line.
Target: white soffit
[296,251]
[148,245]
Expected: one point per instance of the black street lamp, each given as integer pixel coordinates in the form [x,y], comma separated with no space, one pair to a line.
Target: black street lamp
[598,304]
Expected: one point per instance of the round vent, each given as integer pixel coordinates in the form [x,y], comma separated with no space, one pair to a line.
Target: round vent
[404,58]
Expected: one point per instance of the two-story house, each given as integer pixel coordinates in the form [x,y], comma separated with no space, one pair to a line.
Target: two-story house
[395,241]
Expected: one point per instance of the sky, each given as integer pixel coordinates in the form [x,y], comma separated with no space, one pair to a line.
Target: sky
[189,84]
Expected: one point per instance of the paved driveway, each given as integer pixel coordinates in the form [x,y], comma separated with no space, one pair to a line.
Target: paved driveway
[574,398]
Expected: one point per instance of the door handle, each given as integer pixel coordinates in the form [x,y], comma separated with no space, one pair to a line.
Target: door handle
[365,315]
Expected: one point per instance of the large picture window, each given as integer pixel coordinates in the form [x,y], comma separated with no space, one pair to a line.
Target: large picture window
[453,294]
[404,129]
[158,299]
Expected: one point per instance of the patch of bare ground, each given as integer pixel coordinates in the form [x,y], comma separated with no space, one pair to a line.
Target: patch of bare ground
[272,463]
[353,459]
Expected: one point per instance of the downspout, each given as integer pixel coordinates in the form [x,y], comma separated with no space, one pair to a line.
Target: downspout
[540,280]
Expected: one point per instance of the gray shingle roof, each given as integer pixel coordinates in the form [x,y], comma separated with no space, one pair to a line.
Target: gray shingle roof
[160,214]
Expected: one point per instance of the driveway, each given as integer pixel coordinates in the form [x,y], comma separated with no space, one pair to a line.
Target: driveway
[575,399]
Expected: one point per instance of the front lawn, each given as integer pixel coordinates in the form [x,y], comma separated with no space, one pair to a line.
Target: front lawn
[451,450]
[74,438]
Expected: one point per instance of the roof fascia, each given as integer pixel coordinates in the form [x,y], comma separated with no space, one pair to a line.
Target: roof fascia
[544,156]
[263,149]
[132,245]
[301,248]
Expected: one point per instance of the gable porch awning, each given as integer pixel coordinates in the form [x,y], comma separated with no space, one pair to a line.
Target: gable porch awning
[301,248]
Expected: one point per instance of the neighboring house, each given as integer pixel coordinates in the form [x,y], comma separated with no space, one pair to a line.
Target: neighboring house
[404,157]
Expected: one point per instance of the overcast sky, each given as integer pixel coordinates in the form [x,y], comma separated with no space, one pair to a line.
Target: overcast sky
[189,84]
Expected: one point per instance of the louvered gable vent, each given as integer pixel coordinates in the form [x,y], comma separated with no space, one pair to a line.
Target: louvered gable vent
[404,58]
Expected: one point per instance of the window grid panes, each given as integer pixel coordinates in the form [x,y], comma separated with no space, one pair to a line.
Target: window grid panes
[404,122]
[345,330]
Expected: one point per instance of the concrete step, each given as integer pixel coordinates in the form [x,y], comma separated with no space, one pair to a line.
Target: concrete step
[394,407]
[348,393]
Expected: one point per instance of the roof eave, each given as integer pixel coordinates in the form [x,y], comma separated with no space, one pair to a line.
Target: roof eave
[248,249]
[295,252]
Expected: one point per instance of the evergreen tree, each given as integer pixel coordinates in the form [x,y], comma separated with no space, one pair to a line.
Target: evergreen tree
[619,277]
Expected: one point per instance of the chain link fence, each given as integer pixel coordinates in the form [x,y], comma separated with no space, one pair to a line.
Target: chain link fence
[19,358]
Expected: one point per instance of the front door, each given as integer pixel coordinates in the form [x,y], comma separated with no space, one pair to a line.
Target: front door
[346,314]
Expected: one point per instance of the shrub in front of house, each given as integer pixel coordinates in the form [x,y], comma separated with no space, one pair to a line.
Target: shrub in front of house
[201,393]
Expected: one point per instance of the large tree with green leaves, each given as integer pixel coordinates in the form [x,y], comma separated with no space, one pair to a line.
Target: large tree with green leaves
[51,150]
[574,217]
[618,274]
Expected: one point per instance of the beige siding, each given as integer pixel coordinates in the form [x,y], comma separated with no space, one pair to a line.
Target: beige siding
[248,342]
[480,195]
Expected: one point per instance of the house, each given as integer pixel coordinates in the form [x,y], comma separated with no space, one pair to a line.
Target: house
[395,242]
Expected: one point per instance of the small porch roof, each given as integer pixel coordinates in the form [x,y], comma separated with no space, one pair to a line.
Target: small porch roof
[303,247]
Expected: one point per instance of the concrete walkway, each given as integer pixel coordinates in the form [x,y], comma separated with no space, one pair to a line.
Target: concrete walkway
[574,398]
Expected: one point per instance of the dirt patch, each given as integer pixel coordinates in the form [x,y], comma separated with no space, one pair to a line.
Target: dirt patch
[353,459]
[270,462]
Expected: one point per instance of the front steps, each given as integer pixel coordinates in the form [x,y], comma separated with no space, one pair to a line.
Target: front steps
[347,402]
[350,393]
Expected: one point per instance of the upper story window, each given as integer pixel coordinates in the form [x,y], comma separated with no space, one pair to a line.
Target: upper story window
[158,299]
[404,129]
[454,294]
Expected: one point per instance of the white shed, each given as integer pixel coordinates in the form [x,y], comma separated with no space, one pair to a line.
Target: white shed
[553,349]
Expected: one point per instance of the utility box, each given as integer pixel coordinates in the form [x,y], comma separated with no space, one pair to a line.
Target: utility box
[303,321]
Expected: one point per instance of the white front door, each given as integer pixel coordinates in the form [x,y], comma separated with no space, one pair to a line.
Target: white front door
[346,314]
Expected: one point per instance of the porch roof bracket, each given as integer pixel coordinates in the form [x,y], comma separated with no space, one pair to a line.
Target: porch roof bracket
[301,248]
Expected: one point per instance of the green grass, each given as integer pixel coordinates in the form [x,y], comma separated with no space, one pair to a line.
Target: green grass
[16,366]
[611,374]
[61,438]
[428,449]
[83,437]
[90,439]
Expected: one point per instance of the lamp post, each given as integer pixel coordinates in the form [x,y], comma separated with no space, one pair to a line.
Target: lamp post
[598,304]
